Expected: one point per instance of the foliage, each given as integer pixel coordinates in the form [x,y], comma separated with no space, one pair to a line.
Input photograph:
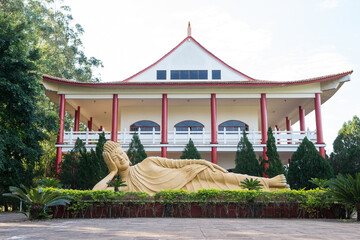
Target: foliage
[38,199]
[81,169]
[23,122]
[49,182]
[190,151]
[275,166]
[251,184]
[245,160]
[116,183]
[321,183]
[346,189]
[307,163]
[311,202]
[345,158]
[136,152]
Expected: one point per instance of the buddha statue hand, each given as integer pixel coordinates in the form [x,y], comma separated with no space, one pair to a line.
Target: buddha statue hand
[212,166]
[110,163]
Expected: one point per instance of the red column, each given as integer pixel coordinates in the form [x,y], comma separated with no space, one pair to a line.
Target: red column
[77,119]
[114,128]
[264,127]
[213,119]
[213,128]
[60,138]
[302,118]
[90,124]
[164,125]
[277,129]
[288,128]
[319,131]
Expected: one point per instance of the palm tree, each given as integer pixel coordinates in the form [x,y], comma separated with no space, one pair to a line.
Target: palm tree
[346,189]
[38,200]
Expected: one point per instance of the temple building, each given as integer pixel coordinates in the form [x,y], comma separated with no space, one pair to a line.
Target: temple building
[190,93]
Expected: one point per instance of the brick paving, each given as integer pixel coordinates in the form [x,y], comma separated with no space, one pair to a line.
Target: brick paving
[15,226]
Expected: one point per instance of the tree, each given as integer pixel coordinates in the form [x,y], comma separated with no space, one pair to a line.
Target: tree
[136,152]
[275,166]
[22,121]
[307,163]
[190,151]
[245,160]
[345,158]
[81,169]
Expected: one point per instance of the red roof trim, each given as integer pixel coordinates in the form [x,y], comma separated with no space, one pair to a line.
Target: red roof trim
[204,49]
[197,84]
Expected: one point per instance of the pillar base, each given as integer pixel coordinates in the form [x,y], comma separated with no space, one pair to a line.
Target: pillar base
[322,151]
[266,164]
[214,155]
[58,161]
[164,152]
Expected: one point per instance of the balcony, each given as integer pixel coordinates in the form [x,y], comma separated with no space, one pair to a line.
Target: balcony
[286,141]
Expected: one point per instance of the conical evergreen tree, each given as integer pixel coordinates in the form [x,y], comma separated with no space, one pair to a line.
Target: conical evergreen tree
[307,163]
[190,151]
[136,152]
[275,166]
[245,160]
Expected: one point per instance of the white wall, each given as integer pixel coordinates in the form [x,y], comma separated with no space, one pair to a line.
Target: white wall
[189,56]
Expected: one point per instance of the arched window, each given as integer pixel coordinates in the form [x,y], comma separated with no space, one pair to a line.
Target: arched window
[144,126]
[189,124]
[233,125]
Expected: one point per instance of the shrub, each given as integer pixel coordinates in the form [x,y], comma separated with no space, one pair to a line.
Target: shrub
[190,151]
[81,169]
[245,160]
[307,163]
[275,166]
[346,189]
[136,152]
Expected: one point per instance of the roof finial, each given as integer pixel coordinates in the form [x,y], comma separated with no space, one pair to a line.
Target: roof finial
[189,30]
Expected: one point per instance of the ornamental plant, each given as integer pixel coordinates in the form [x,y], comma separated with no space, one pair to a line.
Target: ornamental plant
[136,152]
[245,160]
[307,163]
[49,182]
[275,166]
[116,183]
[38,200]
[346,189]
[190,151]
[251,184]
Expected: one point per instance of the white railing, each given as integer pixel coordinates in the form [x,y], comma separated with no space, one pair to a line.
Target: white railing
[182,137]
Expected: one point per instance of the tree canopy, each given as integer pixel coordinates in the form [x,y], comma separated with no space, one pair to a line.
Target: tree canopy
[345,158]
[35,38]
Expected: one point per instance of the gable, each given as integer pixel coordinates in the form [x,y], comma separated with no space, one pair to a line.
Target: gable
[189,59]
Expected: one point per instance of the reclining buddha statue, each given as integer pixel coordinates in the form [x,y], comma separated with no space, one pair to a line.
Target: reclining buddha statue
[154,174]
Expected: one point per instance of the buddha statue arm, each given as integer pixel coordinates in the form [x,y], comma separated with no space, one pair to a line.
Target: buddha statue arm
[177,163]
[103,184]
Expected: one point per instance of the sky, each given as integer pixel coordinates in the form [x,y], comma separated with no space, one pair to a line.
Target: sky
[267,40]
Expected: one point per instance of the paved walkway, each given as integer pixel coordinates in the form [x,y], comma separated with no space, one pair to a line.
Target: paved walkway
[14,226]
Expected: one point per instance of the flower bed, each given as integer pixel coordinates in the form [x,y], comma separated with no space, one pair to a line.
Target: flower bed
[204,203]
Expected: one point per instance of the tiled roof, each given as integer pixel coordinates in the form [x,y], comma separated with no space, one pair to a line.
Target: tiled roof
[212,83]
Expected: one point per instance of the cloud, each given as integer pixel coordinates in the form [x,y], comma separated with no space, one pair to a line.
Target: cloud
[329,4]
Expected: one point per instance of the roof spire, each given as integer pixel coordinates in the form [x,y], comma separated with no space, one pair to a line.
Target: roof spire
[189,30]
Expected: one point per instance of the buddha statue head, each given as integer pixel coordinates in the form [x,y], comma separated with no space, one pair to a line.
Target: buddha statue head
[117,154]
